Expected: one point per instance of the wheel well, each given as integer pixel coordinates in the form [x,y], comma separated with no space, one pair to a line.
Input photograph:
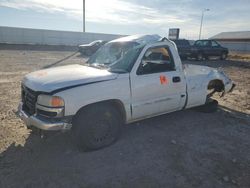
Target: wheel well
[217,85]
[117,104]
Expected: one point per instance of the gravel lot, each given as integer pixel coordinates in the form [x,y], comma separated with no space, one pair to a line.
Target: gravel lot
[181,149]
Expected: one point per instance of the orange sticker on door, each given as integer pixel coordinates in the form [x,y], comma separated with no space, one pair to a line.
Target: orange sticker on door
[163,80]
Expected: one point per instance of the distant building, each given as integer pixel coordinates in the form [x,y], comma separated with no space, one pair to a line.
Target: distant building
[234,41]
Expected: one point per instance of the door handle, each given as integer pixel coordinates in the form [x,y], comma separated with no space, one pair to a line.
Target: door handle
[176,79]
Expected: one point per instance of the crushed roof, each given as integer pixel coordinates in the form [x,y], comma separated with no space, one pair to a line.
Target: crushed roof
[141,39]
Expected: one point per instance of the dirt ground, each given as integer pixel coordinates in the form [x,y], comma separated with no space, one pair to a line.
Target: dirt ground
[181,149]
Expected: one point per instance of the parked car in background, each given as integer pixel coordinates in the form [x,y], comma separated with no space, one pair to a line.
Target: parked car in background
[183,47]
[208,48]
[89,49]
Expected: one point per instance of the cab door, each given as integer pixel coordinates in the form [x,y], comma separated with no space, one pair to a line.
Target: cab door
[156,86]
[206,48]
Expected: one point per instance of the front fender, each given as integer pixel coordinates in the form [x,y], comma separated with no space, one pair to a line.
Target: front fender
[78,97]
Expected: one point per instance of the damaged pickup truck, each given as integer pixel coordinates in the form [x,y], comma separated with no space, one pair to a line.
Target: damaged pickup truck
[126,80]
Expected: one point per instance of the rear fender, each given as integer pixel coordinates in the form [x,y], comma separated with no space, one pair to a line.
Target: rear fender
[219,81]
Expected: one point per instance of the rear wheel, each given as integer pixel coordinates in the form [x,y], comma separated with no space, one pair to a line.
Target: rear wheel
[223,56]
[209,107]
[96,127]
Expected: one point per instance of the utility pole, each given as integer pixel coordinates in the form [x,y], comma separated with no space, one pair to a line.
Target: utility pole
[83,17]
[202,15]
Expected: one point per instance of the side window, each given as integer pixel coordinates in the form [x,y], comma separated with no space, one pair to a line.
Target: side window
[198,43]
[205,43]
[156,60]
[214,44]
[201,43]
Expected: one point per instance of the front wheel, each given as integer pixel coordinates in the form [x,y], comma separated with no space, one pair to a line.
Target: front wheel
[96,127]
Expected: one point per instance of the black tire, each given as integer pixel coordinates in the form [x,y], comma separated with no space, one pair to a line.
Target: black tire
[199,56]
[223,56]
[210,107]
[96,127]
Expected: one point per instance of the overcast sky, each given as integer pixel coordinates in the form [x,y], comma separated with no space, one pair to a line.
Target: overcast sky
[129,16]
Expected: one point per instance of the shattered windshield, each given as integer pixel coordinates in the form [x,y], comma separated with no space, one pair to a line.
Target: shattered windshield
[116,56]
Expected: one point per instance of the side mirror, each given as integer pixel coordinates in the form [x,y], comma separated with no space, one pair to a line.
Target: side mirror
[144,63]
[142,69]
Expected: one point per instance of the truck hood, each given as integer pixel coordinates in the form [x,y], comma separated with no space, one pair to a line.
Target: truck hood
[49,80]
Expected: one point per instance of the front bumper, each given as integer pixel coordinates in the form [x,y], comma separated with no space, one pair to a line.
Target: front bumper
[42,122]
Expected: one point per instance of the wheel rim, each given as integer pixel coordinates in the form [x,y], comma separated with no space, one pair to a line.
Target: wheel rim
[101,132]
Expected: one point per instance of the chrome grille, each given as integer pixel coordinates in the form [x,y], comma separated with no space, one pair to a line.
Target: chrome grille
[29,98]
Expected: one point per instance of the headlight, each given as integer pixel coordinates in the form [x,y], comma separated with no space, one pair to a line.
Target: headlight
[50,101]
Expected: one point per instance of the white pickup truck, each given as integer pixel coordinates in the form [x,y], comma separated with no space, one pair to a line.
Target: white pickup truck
[128,79]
